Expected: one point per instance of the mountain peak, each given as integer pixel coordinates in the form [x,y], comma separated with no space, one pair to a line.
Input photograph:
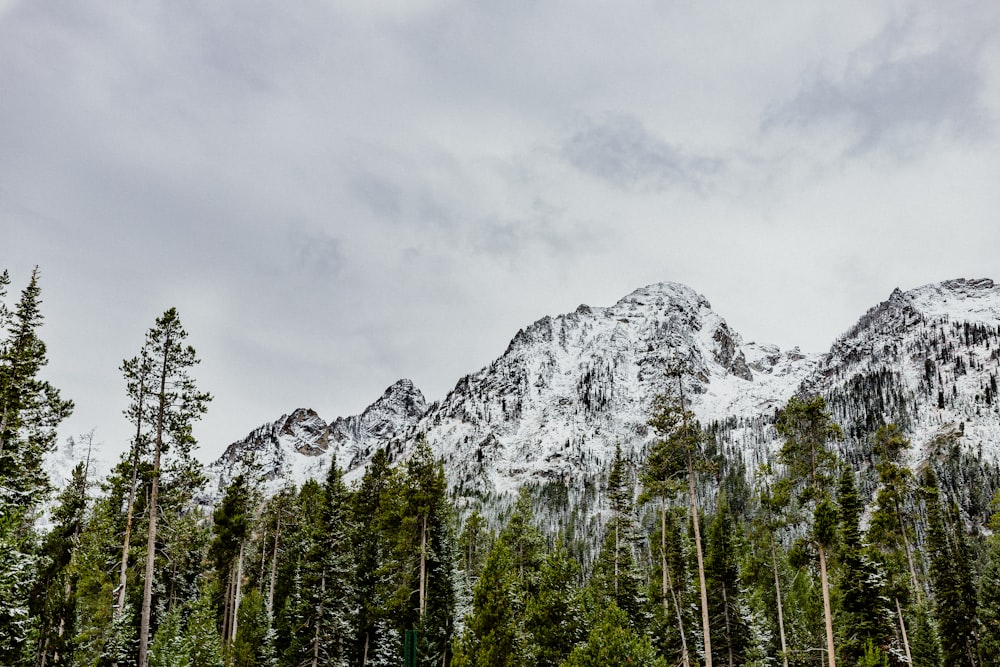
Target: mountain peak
[662,292]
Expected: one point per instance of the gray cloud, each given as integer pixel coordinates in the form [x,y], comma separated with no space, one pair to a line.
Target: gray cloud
[622,152]
[892,94]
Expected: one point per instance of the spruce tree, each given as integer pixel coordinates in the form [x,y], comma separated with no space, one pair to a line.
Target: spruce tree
[989,592]
[54,598]
[863,602]
[613,641]
[950,580]
[554,615]
[493,635]
[807,429]
[679,450]
[616,574]
[374,517]
[722,576]
[30,410]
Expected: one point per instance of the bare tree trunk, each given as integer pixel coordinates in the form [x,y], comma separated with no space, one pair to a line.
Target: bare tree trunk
[729,635]
[706,631]
[902,628]
[423,566]
[274,574]
[827,612]
[777,596]
[668,585]
[238,590]
[909,555]
[123,571]
[227,609]
[319,616]
[616,558]
[147,588]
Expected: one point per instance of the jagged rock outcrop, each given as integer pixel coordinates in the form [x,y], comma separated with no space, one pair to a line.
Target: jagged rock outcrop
[553,406]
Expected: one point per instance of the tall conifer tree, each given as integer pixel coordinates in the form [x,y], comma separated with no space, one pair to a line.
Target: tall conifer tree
[175,404]
[808,429]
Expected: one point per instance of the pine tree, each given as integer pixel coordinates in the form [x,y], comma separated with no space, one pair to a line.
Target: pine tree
[613,642]
[807,429]
[616,574]
[374,517]
[54,599]
[863,602]
[989,592]
[950,580]
[426,554]
[176,404]
[232,520]
[30,410]
[889,531]
[553,617]
[679,450]
[493,635]
[723,579]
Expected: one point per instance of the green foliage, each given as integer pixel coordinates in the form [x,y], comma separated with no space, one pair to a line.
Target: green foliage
[249,649]
[951,579]
[989,593]
[614,642]
[30,411]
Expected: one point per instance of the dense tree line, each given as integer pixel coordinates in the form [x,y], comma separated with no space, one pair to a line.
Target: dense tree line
[702,562]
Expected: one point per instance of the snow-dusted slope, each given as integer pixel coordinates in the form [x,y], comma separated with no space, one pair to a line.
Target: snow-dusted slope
[554,405]
[568,388]
[927,359]
[301,445]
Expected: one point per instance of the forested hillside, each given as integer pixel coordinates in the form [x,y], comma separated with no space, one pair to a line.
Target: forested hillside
[853,522]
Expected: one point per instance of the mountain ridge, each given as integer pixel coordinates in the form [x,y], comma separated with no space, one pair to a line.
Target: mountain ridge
[566,385]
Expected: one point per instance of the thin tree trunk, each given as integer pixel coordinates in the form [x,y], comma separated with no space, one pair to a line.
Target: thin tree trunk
[364,656]
[227,609]
[147,588]
[274,573]
[909,555]
[238,590]
[616,559]
[729,635]
[319,616]
[263,556]
[668,584]
[902,628]
[777,596]
[701,568]
[827,613]
[423,566]
[123,571]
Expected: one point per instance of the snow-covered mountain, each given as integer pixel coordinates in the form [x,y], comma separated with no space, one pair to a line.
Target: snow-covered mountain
[553,406]
[300,445]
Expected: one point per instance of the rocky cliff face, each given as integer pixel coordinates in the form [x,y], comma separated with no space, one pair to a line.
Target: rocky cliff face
[300,445]
[553,406]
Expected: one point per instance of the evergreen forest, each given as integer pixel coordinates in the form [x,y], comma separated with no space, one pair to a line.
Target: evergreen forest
[809,559]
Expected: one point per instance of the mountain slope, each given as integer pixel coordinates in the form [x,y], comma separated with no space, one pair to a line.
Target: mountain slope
[552,407]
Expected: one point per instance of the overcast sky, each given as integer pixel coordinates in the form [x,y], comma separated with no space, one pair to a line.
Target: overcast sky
[336,195]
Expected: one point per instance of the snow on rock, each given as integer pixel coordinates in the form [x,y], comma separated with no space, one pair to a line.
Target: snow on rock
[553,406]
[301,445]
